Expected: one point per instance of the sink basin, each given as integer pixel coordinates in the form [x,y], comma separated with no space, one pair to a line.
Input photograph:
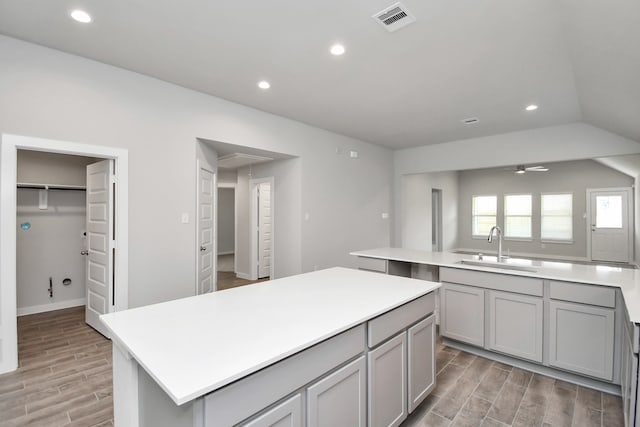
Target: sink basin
[506,265]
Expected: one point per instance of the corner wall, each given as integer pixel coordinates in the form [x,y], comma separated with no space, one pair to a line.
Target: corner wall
[50,94]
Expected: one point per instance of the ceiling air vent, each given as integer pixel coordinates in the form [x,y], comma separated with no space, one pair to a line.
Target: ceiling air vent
[394,17]
[470,121]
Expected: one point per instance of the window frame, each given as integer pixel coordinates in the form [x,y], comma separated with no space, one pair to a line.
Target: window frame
[473,196]
[548,239]
[505,216]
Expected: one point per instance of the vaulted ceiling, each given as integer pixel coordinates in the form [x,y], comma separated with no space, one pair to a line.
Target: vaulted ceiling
[578,60]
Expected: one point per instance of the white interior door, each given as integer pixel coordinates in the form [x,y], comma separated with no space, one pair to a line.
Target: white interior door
[265,226]
[206,271]
[100,243]
[610,225]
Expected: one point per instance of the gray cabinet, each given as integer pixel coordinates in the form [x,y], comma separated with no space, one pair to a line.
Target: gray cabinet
[340,398]
[388,383]
[462,313]
[401,361]
[581,339]
[421,341]
[286,414]
[515,325]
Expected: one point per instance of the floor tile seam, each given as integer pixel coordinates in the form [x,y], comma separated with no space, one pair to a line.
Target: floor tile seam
[469,398]
[522,398]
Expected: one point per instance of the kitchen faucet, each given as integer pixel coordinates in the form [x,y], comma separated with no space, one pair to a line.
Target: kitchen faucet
[498,231]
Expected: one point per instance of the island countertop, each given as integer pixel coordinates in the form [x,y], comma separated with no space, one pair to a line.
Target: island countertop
[627,279]
[196,345]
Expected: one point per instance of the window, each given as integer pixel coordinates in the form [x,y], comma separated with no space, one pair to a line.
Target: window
[556,217]
[483,214]
[517,216]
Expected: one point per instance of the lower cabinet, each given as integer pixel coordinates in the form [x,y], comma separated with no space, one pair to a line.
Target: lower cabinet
[515,325]
[388,382]
[340,398]
[581,339]
[629,377]
[421,356]
[462,313]
[287,414]
[401,374]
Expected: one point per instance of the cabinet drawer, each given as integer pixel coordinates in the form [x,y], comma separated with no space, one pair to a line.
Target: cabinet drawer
[388,324]
[586,294]
[288,413]
[496,281]
[372,264]
[246,397]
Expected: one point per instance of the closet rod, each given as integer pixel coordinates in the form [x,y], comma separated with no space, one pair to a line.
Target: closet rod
[51,187]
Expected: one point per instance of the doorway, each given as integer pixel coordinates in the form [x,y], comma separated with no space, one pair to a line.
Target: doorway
[436,220]
[9,146]
[262,214]
[610,230]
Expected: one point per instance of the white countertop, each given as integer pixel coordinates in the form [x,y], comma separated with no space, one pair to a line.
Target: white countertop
[195,345]
[627,279]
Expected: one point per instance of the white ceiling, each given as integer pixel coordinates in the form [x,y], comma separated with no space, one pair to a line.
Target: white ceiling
[579,60]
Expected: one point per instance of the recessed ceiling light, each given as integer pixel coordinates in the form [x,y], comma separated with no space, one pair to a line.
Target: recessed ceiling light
[337,50]
[81,16]
[531,107]
[264,84]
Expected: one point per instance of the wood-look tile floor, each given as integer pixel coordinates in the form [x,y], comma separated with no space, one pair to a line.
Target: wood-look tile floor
[474,391]
[228,280]
[64,376]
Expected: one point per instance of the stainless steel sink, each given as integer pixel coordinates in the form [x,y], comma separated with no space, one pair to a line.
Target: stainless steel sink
[501,265]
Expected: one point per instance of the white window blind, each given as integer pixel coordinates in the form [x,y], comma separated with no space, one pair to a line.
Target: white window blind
[483,213]
[556,217]
[517,216]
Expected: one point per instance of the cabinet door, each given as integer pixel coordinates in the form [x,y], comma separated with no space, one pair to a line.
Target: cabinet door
[422,364]
[462,313]
[388,383]
[581,339]
[339,399]
[287,414]
[628,378]
[515,325]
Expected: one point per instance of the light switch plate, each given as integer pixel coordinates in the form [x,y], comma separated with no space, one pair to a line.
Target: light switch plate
[185,218]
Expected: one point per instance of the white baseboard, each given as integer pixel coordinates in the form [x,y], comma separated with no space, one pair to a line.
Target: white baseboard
[243,276]
[23,311]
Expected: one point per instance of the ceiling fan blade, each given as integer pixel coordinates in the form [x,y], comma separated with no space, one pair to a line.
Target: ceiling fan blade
[536,169]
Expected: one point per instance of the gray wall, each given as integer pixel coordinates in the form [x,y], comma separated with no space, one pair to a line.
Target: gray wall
[49,168]
[556,143]
[50,94]
[417,210]
[572,177]
[50,248]
[226,220]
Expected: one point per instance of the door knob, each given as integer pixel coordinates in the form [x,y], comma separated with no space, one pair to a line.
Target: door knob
[202,249]
[84,252]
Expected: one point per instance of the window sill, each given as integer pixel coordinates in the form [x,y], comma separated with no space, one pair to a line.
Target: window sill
[518,239]
[562,242]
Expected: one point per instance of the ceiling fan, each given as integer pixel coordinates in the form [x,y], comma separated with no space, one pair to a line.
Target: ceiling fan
[520,169]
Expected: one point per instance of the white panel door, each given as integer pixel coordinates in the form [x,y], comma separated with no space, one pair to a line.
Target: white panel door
[610,228]
[100,243]
[265,229]
[206,271]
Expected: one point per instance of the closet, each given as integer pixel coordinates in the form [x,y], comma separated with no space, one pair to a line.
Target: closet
[50,235]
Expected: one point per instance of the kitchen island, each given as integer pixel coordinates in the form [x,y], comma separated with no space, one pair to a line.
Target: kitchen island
[311,349]
[576,322]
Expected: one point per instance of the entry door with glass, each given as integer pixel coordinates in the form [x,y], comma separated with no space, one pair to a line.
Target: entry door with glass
[609,225]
